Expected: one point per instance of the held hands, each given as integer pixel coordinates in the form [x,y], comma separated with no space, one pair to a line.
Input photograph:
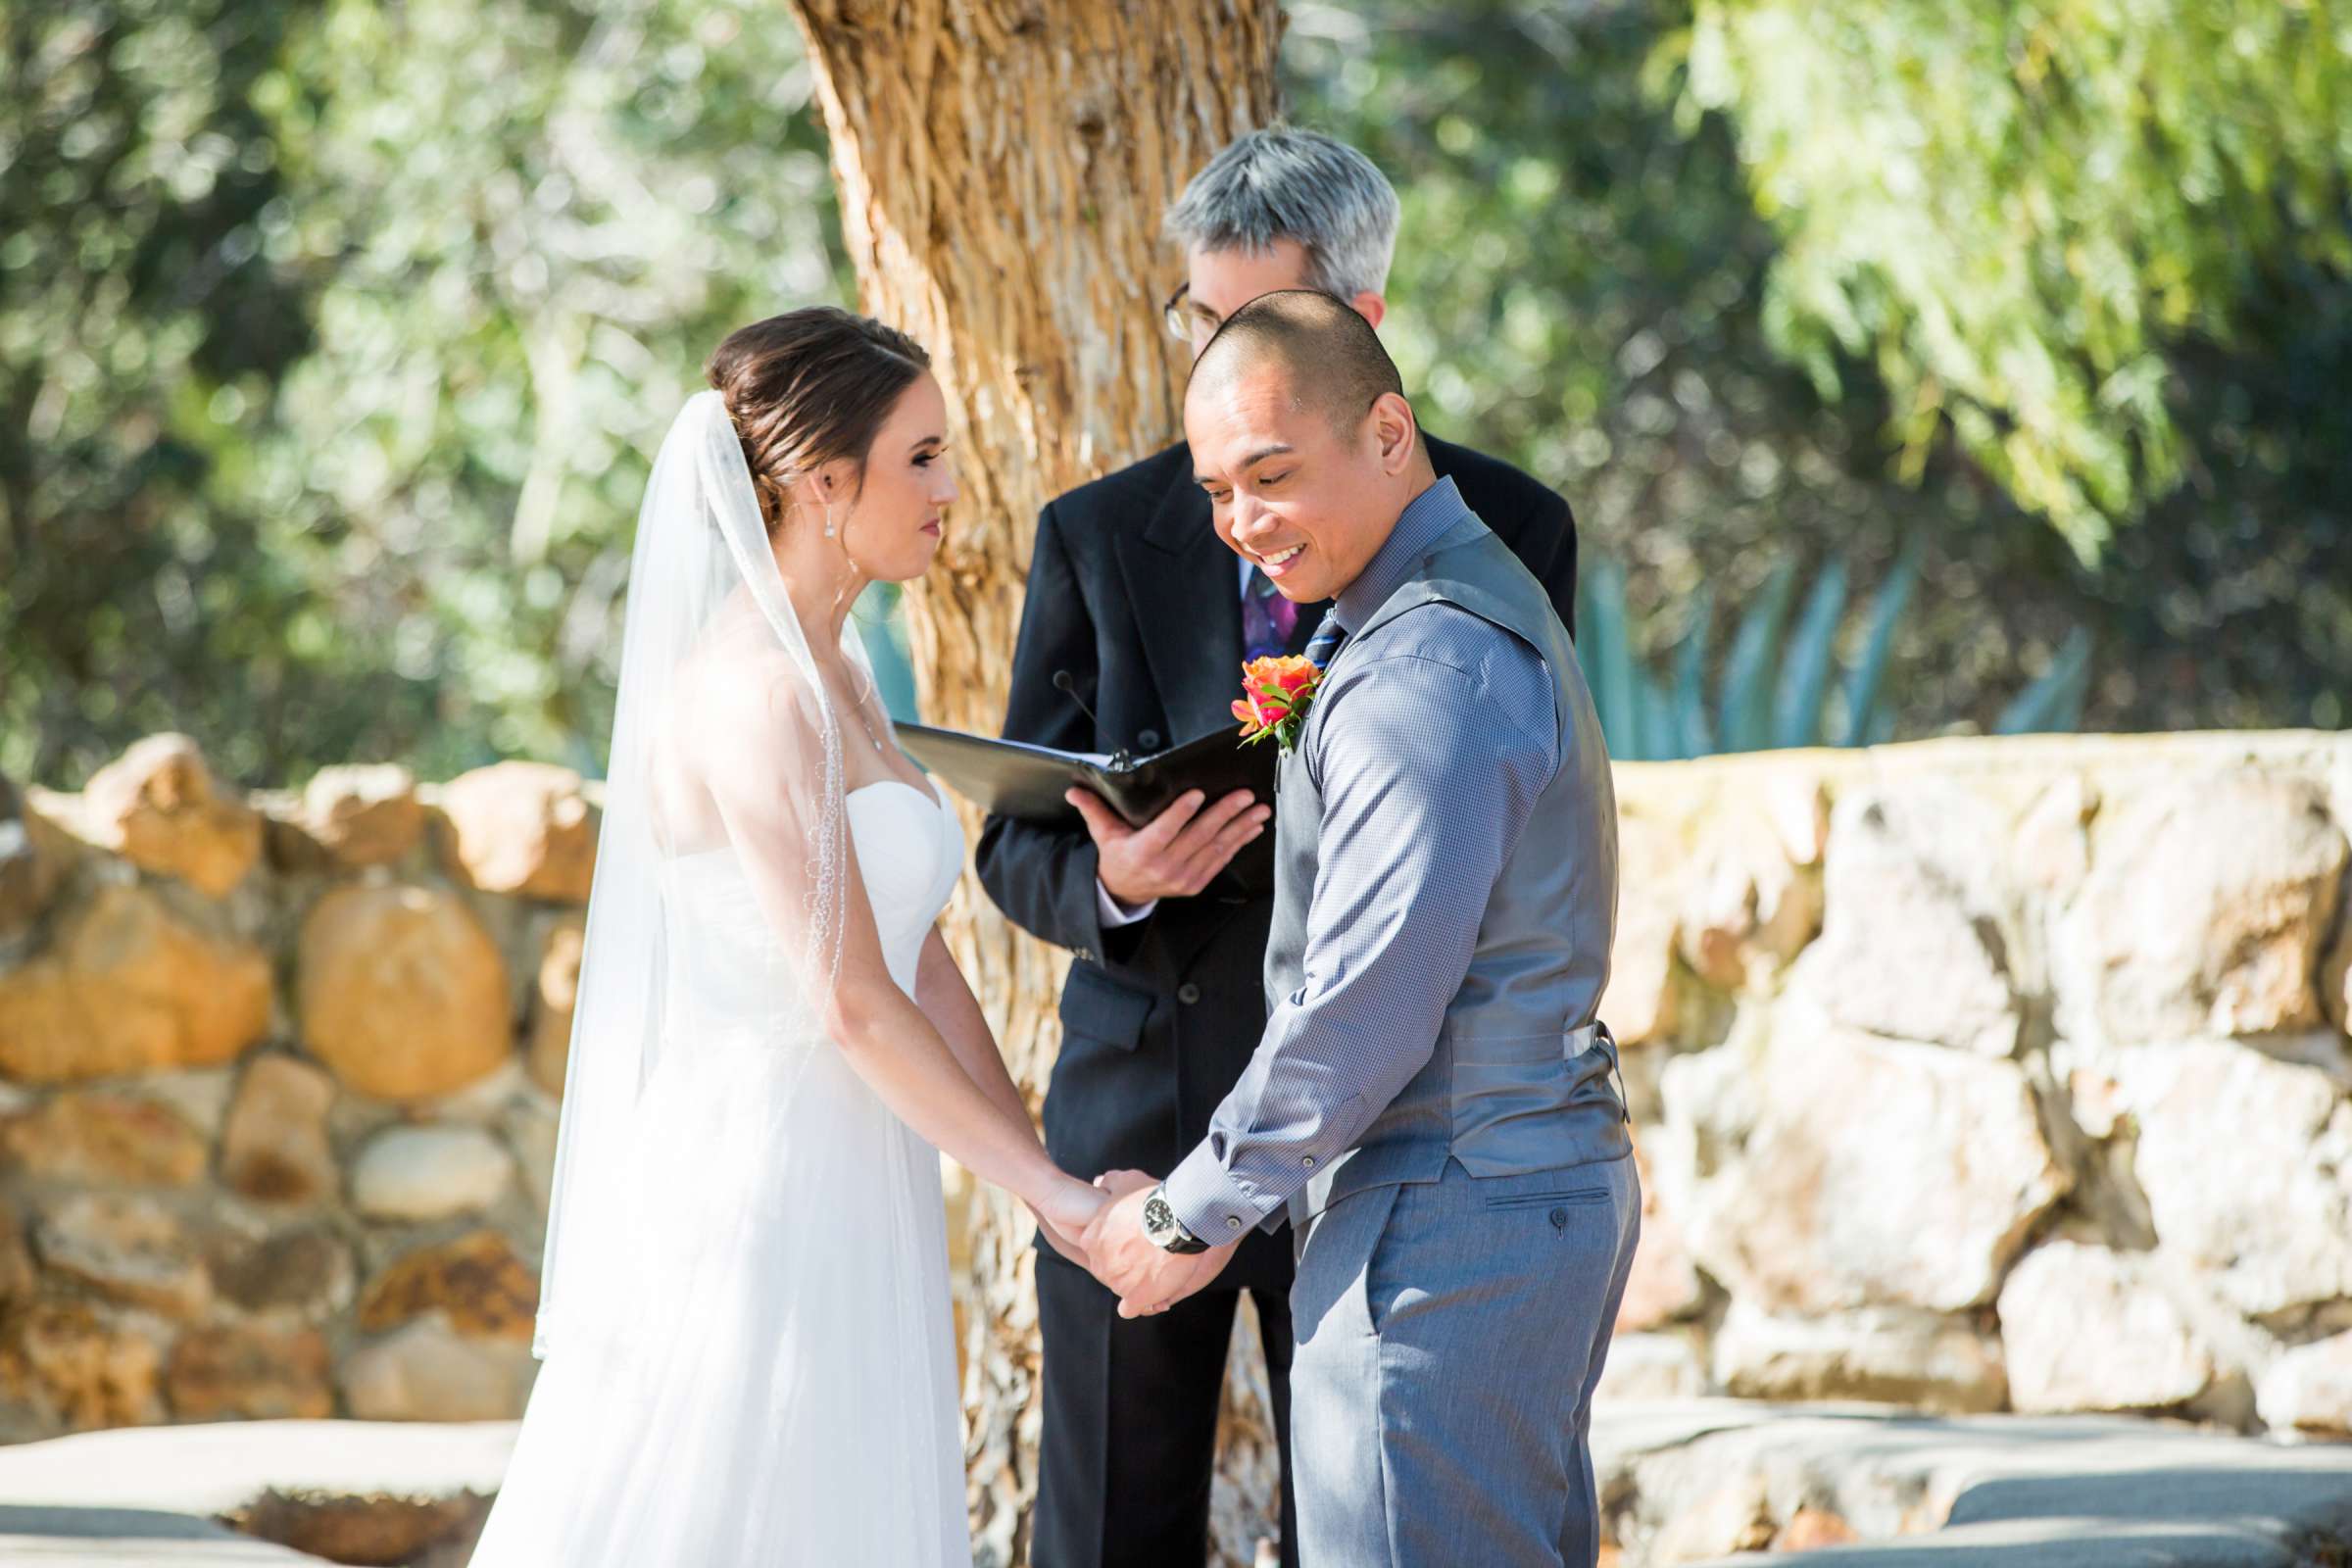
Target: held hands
[1175,854]
[1147,1277]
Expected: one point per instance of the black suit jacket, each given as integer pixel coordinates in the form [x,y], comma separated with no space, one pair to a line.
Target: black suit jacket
[1132,592]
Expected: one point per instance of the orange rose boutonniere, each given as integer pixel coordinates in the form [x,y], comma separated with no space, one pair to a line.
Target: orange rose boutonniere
[1275,693]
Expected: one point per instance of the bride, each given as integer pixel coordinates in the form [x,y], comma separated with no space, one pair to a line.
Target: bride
[745,1319]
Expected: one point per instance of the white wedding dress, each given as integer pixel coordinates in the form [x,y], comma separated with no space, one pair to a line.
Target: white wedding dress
[776,1386]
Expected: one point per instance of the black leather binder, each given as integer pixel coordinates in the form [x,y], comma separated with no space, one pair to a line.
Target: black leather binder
[1013,778]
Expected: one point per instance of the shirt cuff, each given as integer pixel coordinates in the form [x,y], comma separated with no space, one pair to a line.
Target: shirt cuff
[1215,1205]
[1113,913]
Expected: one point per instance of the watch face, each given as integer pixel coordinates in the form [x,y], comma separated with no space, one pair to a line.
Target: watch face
[1158,1217]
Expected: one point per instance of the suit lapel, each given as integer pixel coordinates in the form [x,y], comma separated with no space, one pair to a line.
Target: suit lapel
[1184,588]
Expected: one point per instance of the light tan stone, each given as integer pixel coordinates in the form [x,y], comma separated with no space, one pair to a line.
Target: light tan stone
[2308,1391]
[99,1137]
[364,815]
[401,992]
[530,1130]
[2335,977]
[558,990]
[274,1145]
[1652,1366]
[250,1373]
[524,828]
[126,986]
[126,1248]
[1889,1354]
[1664,1283]
[76,1370]
[159,806]
[1916,935]
[2204,913]
[18,1280]
[416,1174]
[1749,901]
[1815,1169]
[2246,1161]
[423,1372]
[475,1283]
[2088,1328]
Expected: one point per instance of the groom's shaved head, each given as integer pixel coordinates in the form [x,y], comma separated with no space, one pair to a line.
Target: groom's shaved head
[1330,358]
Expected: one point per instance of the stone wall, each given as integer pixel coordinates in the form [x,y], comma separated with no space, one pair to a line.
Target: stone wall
[1972,1075]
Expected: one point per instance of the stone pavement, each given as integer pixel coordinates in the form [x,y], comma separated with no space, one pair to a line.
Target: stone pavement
[1685,1482]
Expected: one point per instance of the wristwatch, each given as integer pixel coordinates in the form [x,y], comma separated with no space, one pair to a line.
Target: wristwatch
[1165,1230]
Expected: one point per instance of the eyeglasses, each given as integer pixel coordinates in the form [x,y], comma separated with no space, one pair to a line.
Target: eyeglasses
[1183,318]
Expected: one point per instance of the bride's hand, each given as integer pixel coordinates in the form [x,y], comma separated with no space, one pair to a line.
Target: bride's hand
[1066,1212]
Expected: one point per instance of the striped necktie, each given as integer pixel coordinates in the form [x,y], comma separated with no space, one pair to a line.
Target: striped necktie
[1326,641]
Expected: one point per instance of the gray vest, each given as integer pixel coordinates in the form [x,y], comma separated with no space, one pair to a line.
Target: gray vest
[1519,1079]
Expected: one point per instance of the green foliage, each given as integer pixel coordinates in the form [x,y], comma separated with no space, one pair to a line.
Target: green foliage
[1779,686]
[1583,286]
[324,433]
[2015,213]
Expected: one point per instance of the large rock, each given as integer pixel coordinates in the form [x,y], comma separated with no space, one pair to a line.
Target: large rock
[102,1137]
[401,992]
[475,1283]
[364,815]
[1815,1169]
[18,1278]
[251,1373]
[75,1370]
[2335,977]
[427,1173]
[557,993]
[2088,1328]
[2247,1167]
[1653,1366]
[1664,1283]
[1888,1354]
[1751,898]
[128,986]
[125,1249]
[522,827]
[2206,904]
[530,1130]
[159,807]
[2309,1390]
[423,1372]
[274,1145]
[304,1275]
[1917,934]
[1640,1002]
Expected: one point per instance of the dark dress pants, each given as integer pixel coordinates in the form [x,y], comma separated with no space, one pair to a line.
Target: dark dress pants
[1131,1422]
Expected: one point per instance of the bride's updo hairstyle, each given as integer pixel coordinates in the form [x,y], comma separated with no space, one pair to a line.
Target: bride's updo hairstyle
[807,387]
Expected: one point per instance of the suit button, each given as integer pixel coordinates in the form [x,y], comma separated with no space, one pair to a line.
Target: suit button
[1083,956]
[1188,993]
[1148,740]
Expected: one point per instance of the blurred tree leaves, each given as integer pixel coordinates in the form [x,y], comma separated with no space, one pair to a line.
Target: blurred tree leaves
[2015,211]
[1583,285]
[376,313]
[333,335]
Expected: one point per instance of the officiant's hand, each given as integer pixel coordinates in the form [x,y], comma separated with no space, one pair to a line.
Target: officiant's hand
[1175,854]
[1146,1278]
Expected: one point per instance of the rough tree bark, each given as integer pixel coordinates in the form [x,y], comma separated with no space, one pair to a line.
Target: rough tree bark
[1003,167]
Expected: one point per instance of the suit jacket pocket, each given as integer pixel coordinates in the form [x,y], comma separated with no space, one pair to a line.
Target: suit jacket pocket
[1095,1005]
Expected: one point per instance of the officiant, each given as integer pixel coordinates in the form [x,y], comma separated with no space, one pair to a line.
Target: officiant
[1137,622]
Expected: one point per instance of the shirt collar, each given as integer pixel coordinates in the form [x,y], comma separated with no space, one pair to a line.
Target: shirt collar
[1421,525]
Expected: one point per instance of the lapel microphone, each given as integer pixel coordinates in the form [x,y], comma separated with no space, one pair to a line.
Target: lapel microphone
[1119,761]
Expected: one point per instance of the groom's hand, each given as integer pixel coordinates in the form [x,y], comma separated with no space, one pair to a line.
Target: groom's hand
[1175,854]
[1144,1276]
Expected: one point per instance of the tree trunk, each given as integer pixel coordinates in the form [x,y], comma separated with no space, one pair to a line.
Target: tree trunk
[1003,168]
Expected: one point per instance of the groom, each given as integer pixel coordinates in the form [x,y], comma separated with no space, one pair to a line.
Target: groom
[1432,1098]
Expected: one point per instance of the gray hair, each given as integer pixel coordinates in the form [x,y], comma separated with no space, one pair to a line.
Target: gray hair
[1287,183]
